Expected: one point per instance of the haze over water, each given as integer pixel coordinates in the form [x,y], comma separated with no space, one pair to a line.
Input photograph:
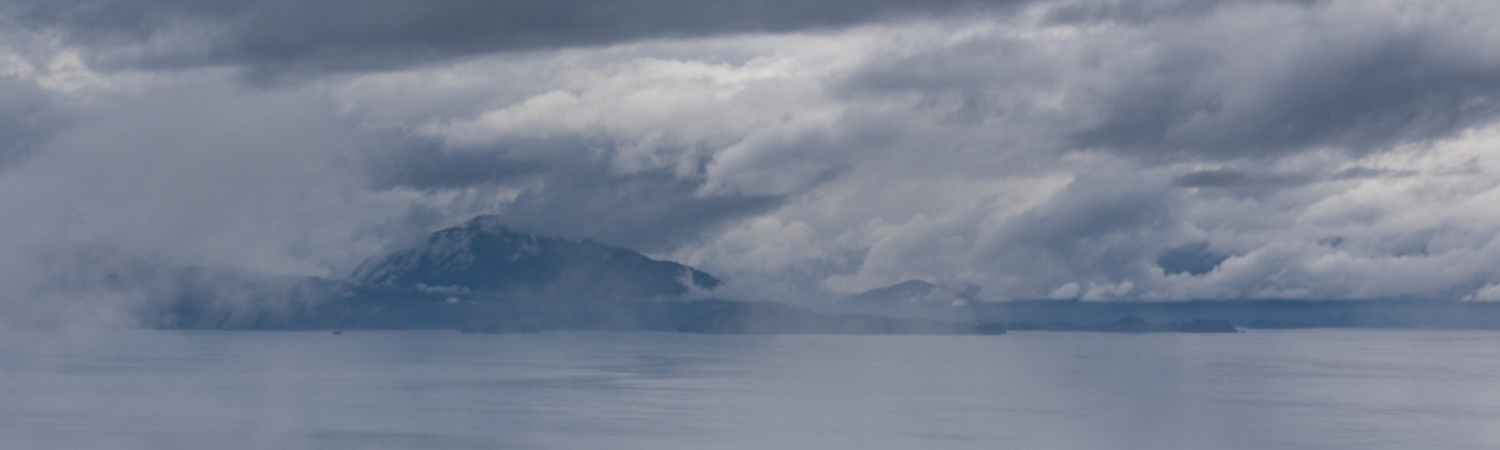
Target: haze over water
[444,390]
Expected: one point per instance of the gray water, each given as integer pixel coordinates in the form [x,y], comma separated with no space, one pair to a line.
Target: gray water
[1320,389]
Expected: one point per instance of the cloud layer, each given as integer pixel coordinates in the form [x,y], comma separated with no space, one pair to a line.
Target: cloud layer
[277,37]
[1087,149]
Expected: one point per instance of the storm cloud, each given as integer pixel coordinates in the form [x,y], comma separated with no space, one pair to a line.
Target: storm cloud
[277,37]
[1088,149]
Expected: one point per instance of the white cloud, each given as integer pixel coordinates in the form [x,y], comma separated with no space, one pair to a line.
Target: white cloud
[1111,291]
[1066,292]
[1489,293]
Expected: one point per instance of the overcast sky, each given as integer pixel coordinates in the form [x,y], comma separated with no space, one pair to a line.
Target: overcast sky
[1094,149]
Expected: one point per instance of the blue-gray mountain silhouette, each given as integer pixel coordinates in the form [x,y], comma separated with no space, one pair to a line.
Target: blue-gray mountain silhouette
[911,292]
[485,258]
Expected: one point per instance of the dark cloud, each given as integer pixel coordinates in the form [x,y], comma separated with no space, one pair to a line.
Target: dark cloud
[968,84]
[397,161]
[1089,228]
[1361,172]
[651,211]
[1230,178]
[1363,95]
[1174,81]
[563,186]
[1211,178]
[1191,259]
[276,36]
[29,117]
[1146,12]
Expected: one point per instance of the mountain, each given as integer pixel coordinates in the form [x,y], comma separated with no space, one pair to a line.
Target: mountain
[912,298]
[486,258]
[910,292]
[479,276]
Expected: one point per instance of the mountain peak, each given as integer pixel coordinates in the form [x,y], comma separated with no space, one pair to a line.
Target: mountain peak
[484,256]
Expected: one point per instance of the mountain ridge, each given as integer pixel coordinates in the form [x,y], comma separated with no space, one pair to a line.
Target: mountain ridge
[484,256]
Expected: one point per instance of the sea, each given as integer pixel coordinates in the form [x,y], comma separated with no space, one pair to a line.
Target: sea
[1303,389]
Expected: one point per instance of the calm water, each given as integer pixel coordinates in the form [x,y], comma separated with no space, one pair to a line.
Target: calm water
[443,390]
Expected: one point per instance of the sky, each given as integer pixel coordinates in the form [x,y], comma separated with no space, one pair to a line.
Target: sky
[1101,150]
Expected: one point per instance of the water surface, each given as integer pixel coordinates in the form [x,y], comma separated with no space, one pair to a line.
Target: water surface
[1319,389]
